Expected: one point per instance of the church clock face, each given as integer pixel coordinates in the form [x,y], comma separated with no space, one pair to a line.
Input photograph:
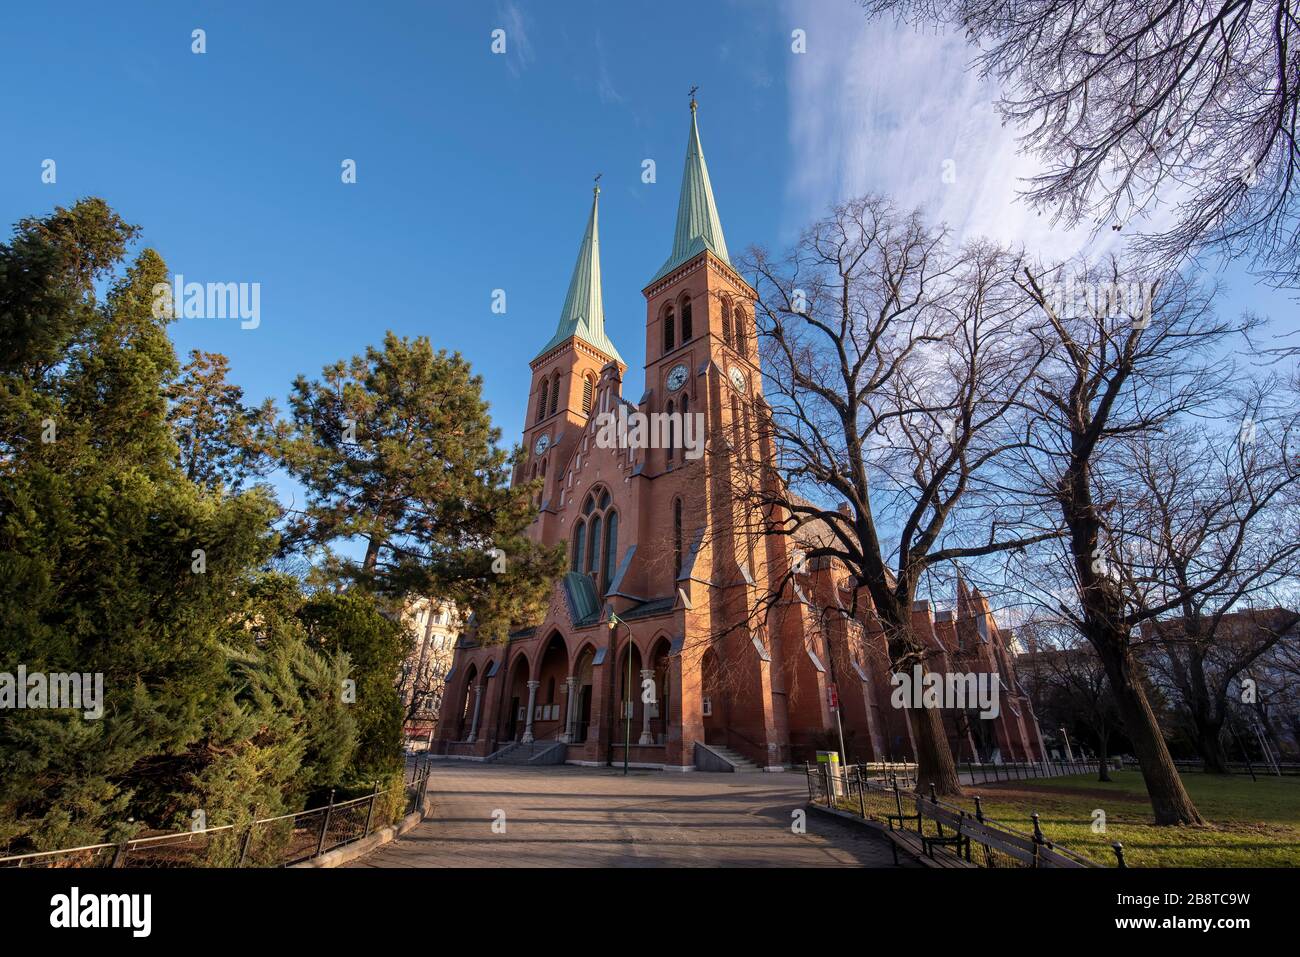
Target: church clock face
[677,377]
[737,376]
[543,443]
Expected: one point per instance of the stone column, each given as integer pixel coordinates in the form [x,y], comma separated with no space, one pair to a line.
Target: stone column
[646,736]
[478,701]
[532,698]
[569,683]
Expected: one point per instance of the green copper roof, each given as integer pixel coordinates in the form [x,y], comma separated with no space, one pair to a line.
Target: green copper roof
[698,226]
[584,311]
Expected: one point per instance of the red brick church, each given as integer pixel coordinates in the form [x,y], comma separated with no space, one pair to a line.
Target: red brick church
[654,545]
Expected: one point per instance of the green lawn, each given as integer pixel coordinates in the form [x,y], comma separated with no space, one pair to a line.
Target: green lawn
[1252,823]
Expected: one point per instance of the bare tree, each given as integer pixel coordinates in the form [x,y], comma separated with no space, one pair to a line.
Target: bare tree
[1129,103]
[1275,687]
[894,365]
[1069,681]
[1204,524]
[1123,366]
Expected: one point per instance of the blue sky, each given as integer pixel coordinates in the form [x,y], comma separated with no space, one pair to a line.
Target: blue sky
[475,169]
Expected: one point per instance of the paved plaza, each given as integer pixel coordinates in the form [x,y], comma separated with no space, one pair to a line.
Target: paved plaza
[486,815]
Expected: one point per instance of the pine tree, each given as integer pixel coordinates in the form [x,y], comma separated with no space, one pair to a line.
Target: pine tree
[222,441]
[396,448]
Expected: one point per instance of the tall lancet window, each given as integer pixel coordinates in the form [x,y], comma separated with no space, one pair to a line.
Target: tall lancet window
[677,538]
[726,321]
[555,393]
[541,400]
[579,546]
[611,550]
[672,432]
[595,539]
[669,323]
[686,319]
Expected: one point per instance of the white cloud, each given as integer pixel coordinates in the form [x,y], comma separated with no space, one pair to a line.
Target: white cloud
[519,49]
[876,105]
[604,82]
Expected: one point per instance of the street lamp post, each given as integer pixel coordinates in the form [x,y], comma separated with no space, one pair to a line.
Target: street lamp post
[614,622]
[1069,754]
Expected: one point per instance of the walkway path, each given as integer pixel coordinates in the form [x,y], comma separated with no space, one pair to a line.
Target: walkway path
[595,817]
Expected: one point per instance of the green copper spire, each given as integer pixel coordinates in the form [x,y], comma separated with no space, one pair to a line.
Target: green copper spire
[698,226]
[584,311]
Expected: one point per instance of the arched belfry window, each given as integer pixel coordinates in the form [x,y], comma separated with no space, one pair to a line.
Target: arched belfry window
[588,390]
[555,393]
[742,333]
[726,321]
[595,539]
[541,400]
[686,319]
[669,322]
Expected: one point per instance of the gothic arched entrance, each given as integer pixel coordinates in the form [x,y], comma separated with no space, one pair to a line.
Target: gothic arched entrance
[583,688]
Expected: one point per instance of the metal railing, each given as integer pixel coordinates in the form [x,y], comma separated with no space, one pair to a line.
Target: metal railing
[904,772]
[1261,768]
[1023,770]
[279,841]
[936,828]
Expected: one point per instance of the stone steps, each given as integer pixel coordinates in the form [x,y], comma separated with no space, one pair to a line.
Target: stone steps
[739,763]
[520,753]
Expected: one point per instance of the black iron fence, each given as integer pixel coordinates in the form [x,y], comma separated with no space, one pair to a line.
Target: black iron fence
[1262,768]
[266,842]
[935,828]
[1022,770]
[904,772]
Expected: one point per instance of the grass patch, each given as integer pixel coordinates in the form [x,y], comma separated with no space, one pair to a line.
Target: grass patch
[1252,823]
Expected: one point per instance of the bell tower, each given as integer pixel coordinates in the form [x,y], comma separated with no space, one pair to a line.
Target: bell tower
[565,373]
[701,358]
[699,314]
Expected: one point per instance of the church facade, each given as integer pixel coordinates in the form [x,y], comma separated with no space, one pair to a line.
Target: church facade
[661,646]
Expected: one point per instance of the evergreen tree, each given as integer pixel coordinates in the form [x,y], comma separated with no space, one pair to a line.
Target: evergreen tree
[113,562]
[396,448]
[222,441]
[353,624]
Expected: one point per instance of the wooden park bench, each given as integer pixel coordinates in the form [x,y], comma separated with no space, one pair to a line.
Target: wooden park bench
[954,838]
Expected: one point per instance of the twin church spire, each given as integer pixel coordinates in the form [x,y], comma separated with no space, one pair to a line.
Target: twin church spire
[698,229]
[698,226]
[583,314]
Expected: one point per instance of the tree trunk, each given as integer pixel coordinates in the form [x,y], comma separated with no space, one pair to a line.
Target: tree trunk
[1209,742]
[1169,799]
[934,763]
[372,553]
